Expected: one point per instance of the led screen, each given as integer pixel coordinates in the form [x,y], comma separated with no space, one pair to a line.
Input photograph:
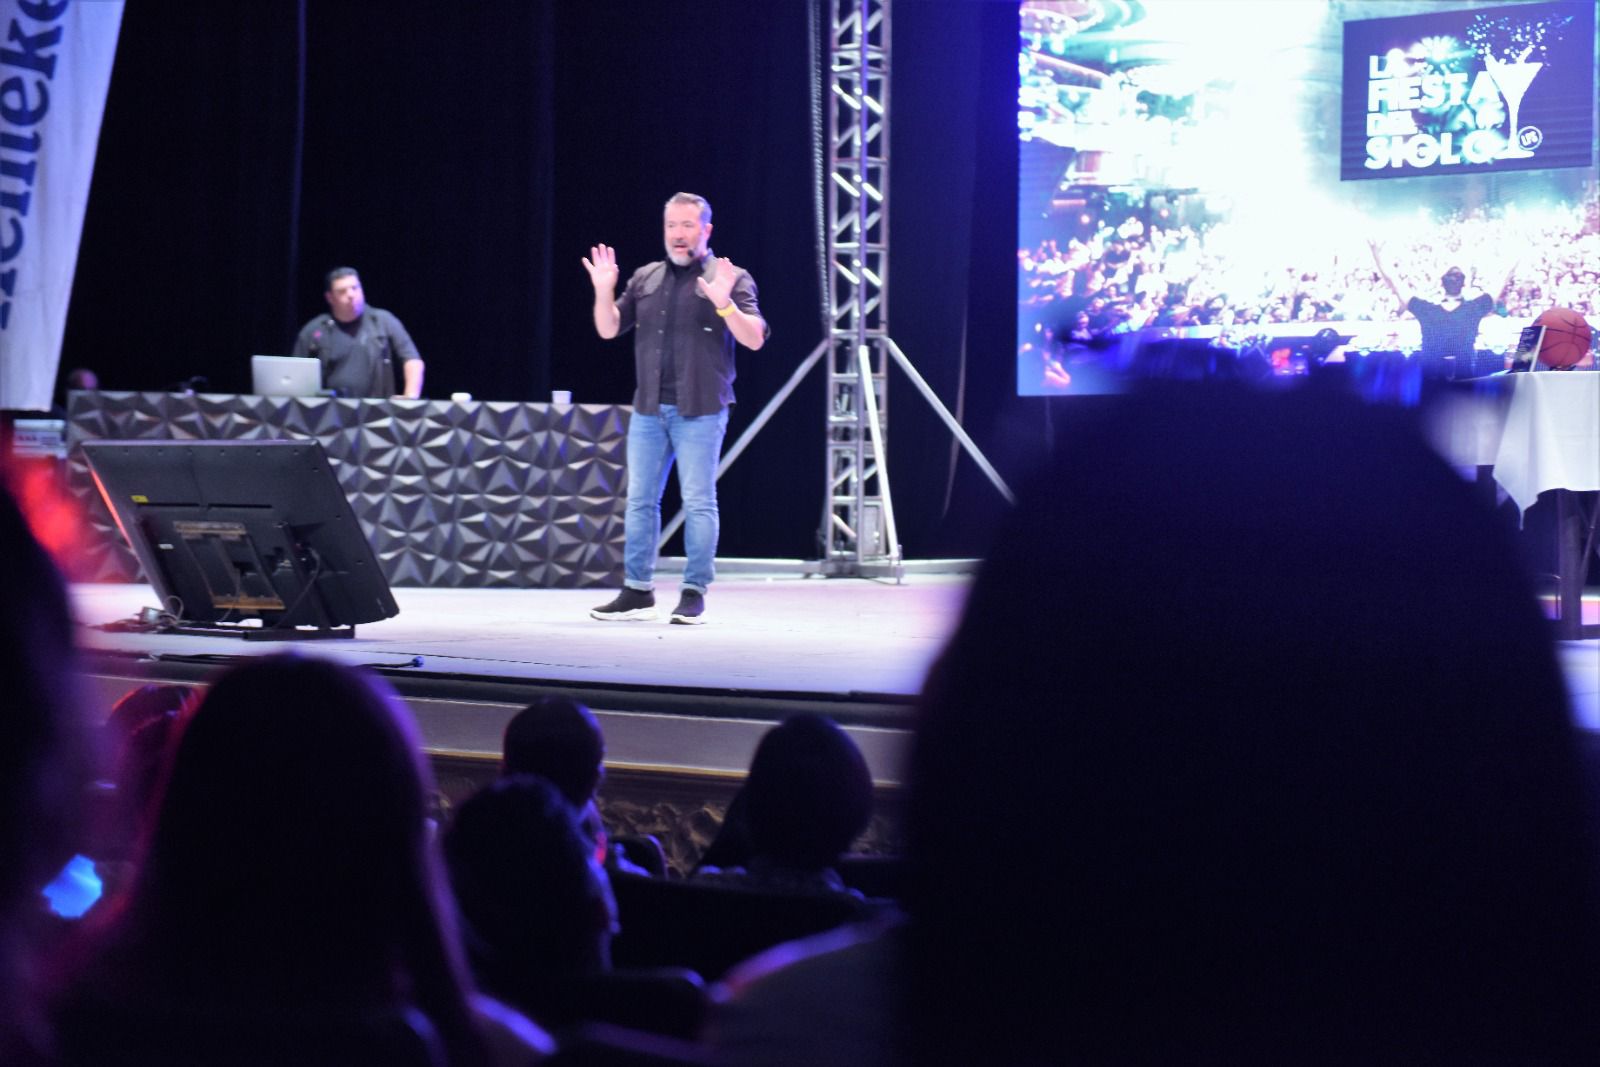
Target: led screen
[1198,173]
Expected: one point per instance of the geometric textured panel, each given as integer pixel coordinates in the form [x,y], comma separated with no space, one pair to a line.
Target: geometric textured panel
[450,495]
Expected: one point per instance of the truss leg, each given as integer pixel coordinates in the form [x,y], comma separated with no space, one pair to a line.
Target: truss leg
[869,397]
[950,420]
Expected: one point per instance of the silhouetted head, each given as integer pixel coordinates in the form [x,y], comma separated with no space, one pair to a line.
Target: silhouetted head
[535,904]
[289,859]
[558,739]
[1452,281]
[808,795]
[82,379]
[45,754]
[45,751]
[1251,745]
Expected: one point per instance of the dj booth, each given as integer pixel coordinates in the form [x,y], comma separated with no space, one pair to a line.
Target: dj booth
[450,494]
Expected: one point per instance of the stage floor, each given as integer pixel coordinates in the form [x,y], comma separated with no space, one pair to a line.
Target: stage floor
[670,697]
[677,699]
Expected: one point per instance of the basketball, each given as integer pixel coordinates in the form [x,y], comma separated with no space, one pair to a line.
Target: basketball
[1566,338]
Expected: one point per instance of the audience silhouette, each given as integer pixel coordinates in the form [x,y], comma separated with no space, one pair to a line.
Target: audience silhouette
[807,797]
[538,917]
[560,740]
[1251,746]
[289,906]
[46,760]
[536,907]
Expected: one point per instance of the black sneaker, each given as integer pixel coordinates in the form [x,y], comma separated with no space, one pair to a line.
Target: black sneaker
[631,605]
[691,609]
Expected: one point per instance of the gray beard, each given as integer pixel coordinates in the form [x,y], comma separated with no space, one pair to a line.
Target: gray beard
[680,259]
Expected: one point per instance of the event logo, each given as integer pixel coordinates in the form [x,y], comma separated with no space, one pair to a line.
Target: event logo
[1443,101]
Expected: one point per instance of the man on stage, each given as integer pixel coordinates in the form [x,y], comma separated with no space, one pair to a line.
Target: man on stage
[689,309]
[1449,326]
[359,345]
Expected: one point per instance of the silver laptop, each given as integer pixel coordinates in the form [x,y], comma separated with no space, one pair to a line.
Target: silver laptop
[285,376]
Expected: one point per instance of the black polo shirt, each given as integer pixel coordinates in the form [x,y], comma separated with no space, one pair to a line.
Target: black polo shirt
[360,358]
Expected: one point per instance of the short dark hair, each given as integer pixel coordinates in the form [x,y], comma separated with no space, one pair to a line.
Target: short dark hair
[336,273]
[558,739]
[525,879]
[808,793]
[691,198]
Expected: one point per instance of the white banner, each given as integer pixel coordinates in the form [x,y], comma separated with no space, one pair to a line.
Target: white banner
[55,67]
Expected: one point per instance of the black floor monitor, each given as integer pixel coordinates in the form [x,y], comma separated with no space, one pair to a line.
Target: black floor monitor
[249,538]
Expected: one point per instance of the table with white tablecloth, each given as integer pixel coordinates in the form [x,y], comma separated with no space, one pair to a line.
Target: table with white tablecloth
[1550,442]
[1551,438]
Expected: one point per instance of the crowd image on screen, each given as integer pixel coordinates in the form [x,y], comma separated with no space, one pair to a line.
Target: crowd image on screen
[1133,275]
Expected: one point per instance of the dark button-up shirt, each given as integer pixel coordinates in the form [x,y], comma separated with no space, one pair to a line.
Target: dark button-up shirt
[701,346]
[1453,332]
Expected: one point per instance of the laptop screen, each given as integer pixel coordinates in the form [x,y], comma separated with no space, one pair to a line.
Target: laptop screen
[1526,354]
[285,376]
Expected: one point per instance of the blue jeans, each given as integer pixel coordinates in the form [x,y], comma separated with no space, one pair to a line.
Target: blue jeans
[653,441]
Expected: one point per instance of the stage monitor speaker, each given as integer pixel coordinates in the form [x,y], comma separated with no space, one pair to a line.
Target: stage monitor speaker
[251,539]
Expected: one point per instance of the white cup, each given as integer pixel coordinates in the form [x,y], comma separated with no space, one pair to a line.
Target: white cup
[461,398]
[561,396]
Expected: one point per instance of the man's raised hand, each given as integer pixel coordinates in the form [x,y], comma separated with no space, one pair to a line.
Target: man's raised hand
[601,263]
[720,288]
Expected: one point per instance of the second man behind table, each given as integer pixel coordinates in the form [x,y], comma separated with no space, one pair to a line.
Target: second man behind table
[687,312]
[360,345]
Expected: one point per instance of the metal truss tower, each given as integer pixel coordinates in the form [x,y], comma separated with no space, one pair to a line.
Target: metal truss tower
[858,532]
[858,535]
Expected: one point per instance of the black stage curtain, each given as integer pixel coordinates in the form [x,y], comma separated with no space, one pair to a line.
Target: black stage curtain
[464,157]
